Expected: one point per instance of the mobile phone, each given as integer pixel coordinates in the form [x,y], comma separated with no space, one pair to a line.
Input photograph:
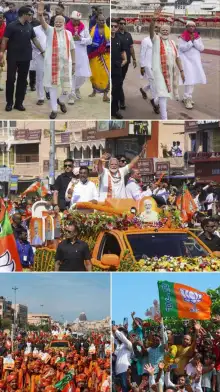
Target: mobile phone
[113,322]
[125,321]
[173,366]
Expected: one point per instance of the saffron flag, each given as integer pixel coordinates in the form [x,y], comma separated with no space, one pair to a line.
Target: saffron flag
[180,301]
[9,257]
[186,204]
[37,187]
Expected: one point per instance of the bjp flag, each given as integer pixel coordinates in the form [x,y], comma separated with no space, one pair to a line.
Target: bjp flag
[186,204]
[180,301]
[9,257]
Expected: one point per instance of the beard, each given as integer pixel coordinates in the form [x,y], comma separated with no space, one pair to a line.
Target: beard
[59,28]
[113,171]
[163,36]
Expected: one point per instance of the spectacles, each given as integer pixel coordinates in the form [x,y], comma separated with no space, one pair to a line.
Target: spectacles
[113,27]
[122,23]
[210,227]
[29,14]
[68,165]
[68,231]
[123,160]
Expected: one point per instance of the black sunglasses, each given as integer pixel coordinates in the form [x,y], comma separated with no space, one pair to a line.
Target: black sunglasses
[68,165]
[115,27]
[29,14]
[122,23]
[123,160]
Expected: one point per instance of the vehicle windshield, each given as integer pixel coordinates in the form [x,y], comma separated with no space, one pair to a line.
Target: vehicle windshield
[158,244]
[59,344]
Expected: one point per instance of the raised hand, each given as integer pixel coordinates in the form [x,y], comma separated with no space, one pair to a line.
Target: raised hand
[40,8]
[157,12]
[150,369]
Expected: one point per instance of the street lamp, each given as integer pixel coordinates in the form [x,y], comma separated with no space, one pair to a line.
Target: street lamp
[15,313]
[41,313]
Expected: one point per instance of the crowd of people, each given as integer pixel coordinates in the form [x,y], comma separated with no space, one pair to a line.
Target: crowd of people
[164,64]
[121,179]
[53,54]
[154,358]
[29,363]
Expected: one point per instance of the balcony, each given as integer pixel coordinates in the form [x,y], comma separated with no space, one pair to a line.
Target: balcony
[31,169]
[203,156]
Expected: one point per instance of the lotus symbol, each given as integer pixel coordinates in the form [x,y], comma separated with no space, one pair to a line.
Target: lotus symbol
[6,262]
[191,297]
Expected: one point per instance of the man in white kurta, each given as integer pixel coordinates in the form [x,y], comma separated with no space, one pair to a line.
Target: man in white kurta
[147,73]
[65,65]
[82,39]
[38,60]
[83,190]
[190,47]
[165,66]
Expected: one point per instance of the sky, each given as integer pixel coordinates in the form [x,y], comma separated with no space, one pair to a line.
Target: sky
[64,294]
[136,291]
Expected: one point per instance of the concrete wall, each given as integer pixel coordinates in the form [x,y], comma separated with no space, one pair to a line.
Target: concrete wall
[168,132]
[209,32]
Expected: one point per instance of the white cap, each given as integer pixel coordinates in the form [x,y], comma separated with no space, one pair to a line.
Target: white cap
[76,15]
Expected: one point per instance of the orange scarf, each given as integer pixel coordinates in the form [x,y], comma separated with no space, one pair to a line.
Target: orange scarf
[164,65]
[55,56]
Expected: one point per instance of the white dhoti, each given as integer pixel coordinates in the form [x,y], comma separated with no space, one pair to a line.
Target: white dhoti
[40,77]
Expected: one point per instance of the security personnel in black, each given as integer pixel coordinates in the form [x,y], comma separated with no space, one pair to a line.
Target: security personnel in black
[127,42]
[61,184]
[118,59]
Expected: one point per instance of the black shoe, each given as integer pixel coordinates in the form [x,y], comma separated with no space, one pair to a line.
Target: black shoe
[40,102]
[48,96]
[53,115]
[117,115]
[62,106]
[33,88]
[144,95]
[155,107]
[20,107]
[8,107]
[122,106]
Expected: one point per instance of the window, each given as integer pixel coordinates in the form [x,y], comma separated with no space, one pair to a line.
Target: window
[3,124]
[87,153]
[95,152]
[205,142]
[77,153]
[27,153]
[13,124]
[193,142]
[110,245]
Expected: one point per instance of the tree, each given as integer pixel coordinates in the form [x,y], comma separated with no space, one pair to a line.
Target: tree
[6,323]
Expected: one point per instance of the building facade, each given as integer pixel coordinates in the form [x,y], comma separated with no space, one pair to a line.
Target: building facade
[83,326]
[6,310]
[39,319]
[21,314]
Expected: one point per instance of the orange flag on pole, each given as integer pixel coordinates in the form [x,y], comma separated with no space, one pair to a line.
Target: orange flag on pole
[186,204]
[180,301]
[9,257]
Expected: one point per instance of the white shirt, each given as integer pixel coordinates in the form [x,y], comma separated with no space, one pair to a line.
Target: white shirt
[118,183]
[84,192]
[210,199]
[123,353]
[146,53]
[133,190]
[42,39]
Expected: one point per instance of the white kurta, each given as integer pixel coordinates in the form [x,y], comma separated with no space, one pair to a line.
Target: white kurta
[62,56]
[160,85]
[41,37]
[82,60]
[146,57]
[191,60]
